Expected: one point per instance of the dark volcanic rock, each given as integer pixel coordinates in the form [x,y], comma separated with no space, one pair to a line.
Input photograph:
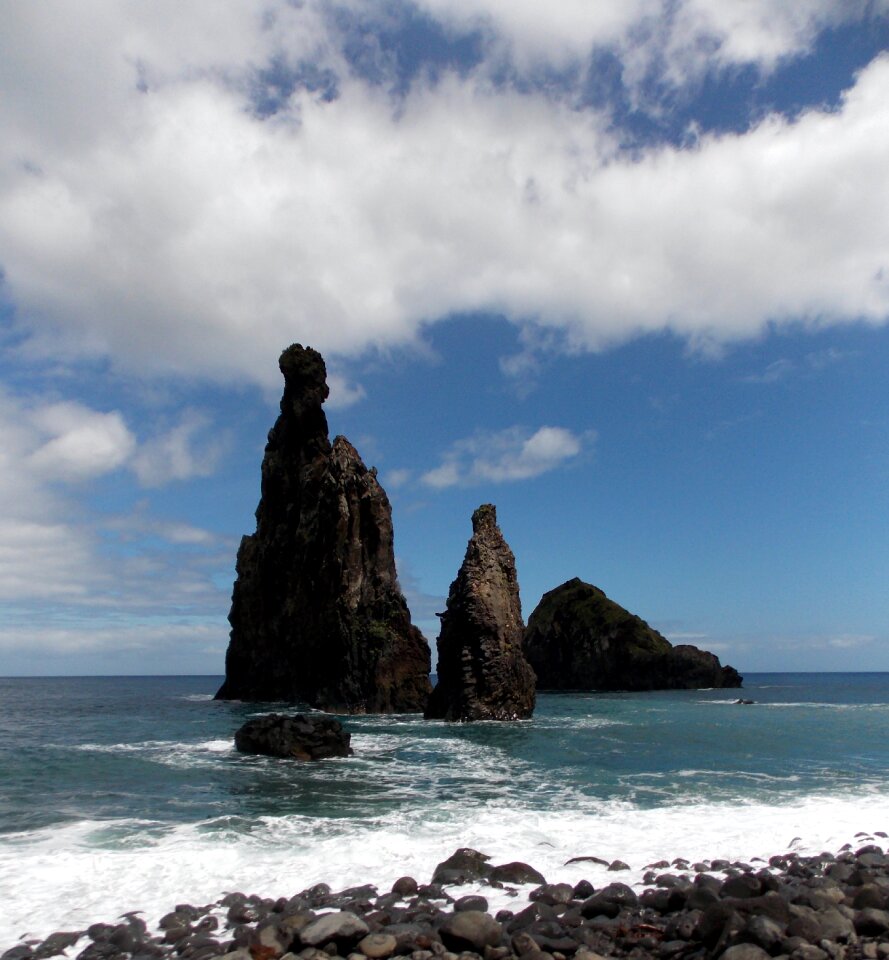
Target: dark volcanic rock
[578,639]
[317,613]
[463,865]
[482,673]
[298,738]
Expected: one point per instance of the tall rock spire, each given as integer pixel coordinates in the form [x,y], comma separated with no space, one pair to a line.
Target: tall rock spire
[482,673]
[317,613]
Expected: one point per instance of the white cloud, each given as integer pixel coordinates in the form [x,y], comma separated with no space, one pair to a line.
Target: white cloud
[395,479]
[179,453]
[82,443]
[503,457]
[57,550]
[342,393]
[850,641]
[677,40]
[175,232]
[44,560]
[121,637]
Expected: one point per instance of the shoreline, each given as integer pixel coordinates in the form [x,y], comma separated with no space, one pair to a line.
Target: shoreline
[824,906]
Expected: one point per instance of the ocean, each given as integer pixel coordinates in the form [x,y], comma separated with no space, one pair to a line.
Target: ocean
[126,793]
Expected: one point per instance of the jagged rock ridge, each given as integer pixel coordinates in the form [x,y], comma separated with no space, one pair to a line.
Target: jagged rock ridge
[482,674]
[317,613]
[578,639]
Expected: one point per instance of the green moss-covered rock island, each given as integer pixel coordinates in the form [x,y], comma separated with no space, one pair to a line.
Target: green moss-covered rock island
[578,639]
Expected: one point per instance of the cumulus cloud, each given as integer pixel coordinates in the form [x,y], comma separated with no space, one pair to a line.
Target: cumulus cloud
[179,453]
[342,393]
[163,223]
[82,443]
[677,41]
[510,455]
[57,550]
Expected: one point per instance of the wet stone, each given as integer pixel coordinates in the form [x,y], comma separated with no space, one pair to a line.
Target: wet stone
[340,927]
[472,902]
[405,887]
[743,886]
[98,950]
[19,952]
[54,944]
[470,930]
[553,893]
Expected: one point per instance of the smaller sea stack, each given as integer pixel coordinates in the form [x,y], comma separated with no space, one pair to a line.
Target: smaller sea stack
[578,639]
[482,673]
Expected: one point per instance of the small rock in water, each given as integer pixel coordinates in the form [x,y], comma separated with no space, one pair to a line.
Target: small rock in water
[19,952]
[517,872]
[463,865]
[298,738]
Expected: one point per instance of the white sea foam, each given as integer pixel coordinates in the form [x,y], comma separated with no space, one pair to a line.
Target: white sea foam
[67,877]
[810,704]
[172,753]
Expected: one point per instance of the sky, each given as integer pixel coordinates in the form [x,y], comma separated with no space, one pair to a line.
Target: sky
[620,268]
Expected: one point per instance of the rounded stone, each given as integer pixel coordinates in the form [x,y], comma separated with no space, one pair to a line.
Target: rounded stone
[405,886]
[871,922]
[470,930]
[342,926]
[471,902]
[378,945]
[745,951]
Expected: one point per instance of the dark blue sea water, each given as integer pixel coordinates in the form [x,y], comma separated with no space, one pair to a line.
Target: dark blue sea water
[122,793]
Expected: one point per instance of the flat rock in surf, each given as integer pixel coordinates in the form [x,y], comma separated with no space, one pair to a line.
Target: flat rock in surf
[295,738]
[578,639]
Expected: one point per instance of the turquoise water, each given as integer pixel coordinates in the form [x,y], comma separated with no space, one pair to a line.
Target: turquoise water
[124,792]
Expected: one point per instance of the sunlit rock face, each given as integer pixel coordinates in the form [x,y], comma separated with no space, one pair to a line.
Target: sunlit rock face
[578,639]
[317,613]
[482,673]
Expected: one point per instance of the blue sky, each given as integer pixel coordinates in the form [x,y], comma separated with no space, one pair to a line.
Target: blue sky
[620,268]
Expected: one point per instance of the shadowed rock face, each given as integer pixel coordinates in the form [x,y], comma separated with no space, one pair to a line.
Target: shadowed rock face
[317,613]
[482,674]
[578,639]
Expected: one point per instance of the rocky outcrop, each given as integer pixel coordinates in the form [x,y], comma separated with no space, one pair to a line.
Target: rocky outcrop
[578,639]
[482,673]
[295,738]
[317,613]
[689,668]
